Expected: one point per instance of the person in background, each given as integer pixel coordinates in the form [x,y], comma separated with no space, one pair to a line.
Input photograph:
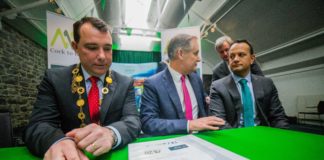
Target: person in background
[221,69]
[243,99]
[162,65]
[173,100]
[86,106]
[138,87]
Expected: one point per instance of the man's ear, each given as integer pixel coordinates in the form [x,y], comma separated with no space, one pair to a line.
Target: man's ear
[74,45]
[180,53]
[252,58]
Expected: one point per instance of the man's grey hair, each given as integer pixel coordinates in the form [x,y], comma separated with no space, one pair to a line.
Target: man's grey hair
[219,42]
[180,41]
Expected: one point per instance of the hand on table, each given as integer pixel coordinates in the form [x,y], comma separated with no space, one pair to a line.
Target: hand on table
[206,123]
[93,138]
[64,150]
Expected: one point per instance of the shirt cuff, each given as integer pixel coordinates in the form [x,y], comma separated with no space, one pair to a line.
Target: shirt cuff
[117,136]
[188,131]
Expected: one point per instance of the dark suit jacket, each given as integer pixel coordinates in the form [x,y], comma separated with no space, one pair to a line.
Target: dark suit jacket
[221,70]
[55,111]
[226,102]
[161,112]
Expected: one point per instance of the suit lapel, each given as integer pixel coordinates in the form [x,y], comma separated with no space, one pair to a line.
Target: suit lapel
[257,88]
[85,107]
[236,98]
[173,94]
[258,91]
[107,98]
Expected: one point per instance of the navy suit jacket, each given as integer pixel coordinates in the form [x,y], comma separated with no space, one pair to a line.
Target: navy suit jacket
[161,112]
[225,102]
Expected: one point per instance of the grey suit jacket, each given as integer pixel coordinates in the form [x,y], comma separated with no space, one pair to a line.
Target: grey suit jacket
[221,70]
[55,111]
[161,111]
[226,102]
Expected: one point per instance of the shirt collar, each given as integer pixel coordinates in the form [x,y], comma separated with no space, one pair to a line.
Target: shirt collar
[176,76]
[86,75]
[238,78]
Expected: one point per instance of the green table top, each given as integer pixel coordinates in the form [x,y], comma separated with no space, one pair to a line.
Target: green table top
[256,143]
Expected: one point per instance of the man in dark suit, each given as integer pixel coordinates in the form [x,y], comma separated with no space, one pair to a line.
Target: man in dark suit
[221,69]
[85,106]
[173,100]
[243,99]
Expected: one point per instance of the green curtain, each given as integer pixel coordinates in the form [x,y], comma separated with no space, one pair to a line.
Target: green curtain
[120,56]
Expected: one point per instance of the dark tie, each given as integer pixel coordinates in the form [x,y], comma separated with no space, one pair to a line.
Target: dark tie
[93,100]
[248,115]
[187,99]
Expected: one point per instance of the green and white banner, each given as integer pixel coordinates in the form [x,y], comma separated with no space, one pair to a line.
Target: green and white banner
[59,38]
[135,70]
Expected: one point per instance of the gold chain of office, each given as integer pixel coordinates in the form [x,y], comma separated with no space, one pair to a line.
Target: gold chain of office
[77,88]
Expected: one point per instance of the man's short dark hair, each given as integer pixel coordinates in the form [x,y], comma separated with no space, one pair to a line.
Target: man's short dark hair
[246,42]
[95,22]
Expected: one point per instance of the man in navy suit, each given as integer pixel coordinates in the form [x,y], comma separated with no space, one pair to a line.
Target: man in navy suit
[173,100]
[244,99]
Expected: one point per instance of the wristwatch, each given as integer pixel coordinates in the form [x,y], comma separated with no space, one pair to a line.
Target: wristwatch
[114,136]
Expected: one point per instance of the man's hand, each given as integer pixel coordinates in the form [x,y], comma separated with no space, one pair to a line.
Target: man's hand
[207,100]
[93,138]
[64,150]
[206,123]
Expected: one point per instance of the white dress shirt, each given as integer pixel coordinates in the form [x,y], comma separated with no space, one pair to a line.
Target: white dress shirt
[176,77]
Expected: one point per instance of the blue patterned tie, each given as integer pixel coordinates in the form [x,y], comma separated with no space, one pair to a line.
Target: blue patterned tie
[248,115]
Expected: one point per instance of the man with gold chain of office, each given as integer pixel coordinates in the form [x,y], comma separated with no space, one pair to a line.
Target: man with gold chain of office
[84,107]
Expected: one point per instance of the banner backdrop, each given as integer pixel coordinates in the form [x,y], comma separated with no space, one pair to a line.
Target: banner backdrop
[139,72]
[166,36]
[135,70]
[60,52]
[59,38]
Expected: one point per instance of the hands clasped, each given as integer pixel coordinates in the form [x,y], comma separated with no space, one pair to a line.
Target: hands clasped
[92,138]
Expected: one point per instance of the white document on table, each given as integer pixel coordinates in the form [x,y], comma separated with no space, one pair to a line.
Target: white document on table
[181,148]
